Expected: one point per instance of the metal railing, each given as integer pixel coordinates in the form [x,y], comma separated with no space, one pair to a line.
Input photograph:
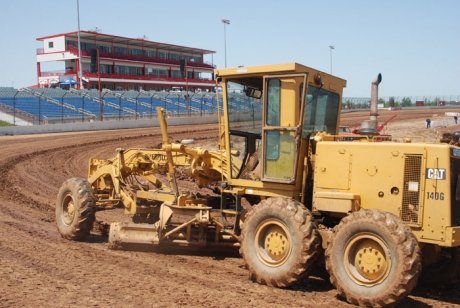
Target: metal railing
[49,106]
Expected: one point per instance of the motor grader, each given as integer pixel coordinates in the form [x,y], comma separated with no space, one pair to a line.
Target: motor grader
[287,191]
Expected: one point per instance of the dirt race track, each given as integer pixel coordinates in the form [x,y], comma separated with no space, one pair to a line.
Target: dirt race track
[39,268]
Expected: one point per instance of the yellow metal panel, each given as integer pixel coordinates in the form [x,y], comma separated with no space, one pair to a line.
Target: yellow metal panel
[290,102]
[155,195]
[333,168]
[453,236]
[334,205]
[335,202]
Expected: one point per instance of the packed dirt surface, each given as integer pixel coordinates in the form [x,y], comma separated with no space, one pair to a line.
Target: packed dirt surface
[40,268]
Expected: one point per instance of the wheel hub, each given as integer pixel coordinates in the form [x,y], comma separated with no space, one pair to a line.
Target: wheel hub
[367,260]
[68,210]
[272,242]
[276,243]
[370,261]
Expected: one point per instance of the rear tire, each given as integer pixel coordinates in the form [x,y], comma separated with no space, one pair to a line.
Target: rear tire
[75,209]
[373,259]
[279,242]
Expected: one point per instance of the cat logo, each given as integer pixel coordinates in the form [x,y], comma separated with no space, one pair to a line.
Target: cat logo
[435,174]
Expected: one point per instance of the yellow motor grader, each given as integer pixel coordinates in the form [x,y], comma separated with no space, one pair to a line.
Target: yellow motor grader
[287,191]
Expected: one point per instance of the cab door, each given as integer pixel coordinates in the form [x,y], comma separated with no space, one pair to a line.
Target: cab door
[284,96]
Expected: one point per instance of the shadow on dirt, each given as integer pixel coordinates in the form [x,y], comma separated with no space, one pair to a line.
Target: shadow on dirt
[318,281]
[448,294]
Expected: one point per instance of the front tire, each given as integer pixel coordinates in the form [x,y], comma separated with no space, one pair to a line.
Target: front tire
[75,209]
[373,259]
[279,242]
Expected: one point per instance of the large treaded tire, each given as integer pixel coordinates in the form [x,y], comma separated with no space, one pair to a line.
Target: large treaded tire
[289,228]
[373,259]
[75,209]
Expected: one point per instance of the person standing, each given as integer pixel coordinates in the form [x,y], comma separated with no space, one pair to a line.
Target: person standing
[428,123]
[455,119]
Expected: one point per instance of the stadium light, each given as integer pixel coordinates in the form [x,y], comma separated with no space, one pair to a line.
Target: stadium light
[331,47]
[80,71]
[225,22]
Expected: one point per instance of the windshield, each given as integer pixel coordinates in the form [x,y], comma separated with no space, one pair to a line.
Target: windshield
[245,125]
[245,113]
[321,112]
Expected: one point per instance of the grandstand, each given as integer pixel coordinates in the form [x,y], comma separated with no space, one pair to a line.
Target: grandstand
[54,105]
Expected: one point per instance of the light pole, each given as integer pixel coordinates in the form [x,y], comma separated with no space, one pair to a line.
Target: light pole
[225,22]
[331,47]
[80,74]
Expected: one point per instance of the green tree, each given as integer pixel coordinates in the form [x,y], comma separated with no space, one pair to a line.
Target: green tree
[406,102]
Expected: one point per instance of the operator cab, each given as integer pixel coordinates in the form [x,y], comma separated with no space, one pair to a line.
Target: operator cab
[272,119]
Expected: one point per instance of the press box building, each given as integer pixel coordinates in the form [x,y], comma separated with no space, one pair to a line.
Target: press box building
[121,63]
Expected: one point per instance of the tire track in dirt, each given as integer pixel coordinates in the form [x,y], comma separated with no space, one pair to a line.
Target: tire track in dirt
[35,167]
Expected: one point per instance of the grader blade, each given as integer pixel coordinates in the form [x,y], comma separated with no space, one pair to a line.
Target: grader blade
[130,235]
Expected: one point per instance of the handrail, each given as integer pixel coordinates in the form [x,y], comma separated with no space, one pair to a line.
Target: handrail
[142,77]
[96,99]
[129,99]
[170,101]
[56,102]
[114,55]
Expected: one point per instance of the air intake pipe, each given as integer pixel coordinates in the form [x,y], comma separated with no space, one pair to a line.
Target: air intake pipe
[369,127]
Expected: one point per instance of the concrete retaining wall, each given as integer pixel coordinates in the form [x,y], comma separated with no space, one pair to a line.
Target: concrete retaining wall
[107,125]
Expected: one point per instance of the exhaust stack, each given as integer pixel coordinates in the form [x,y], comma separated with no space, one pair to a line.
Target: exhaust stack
[369,127]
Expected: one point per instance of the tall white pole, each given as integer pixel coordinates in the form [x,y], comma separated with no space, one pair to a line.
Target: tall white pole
[80,73]
[331,47]
[225,22]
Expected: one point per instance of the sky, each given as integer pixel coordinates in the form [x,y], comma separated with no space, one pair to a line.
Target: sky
[414,44]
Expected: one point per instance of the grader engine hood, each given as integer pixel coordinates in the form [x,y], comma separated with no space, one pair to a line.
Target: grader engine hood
[419,182]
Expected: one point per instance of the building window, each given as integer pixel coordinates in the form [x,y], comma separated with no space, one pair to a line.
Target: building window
[136,52]
[104,48]
[122,50]
[176,74]
[50,44]
[162,55]
[71,43]
[150,53]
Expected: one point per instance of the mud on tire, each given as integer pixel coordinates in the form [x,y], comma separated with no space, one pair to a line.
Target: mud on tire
[373,259]
[279,242]
[75,209]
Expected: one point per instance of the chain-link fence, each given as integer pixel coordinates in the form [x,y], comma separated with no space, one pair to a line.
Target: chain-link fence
[402,101]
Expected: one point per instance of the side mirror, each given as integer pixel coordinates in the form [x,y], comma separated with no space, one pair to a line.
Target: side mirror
[253,92]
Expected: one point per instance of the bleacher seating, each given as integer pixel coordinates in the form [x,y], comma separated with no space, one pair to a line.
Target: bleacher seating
[57,103]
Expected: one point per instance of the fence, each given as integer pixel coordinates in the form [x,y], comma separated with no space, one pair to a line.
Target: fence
[52,106]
